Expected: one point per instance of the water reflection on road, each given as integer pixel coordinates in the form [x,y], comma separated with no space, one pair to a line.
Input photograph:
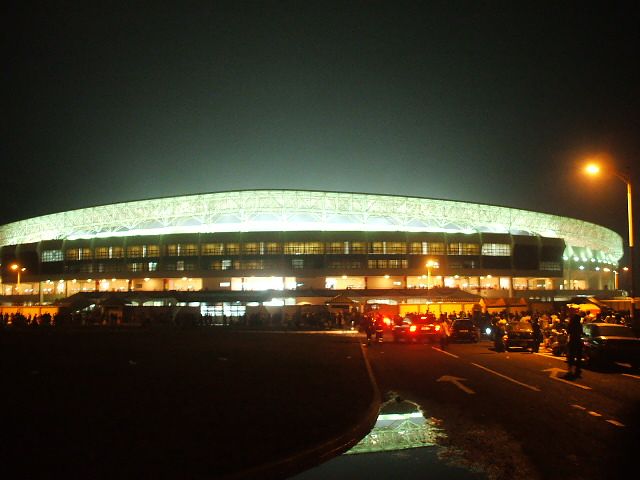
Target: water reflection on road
[402,444]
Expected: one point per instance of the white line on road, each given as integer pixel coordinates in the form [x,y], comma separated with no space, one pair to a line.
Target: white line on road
[616,423]
[632,376]
[554,374]
[596,414]
[550,355]
[535,389]
[457,382]
[445,352]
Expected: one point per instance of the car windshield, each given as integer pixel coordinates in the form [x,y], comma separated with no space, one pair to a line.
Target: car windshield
[613,331]
[520,327]
[419,319]
[463,324]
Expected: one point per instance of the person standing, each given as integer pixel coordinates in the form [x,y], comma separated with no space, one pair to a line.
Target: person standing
[574,345]
[537,335]
[444,334]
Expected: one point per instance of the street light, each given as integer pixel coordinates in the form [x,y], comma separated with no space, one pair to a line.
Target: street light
[18,269]
[595,169]
[431,264]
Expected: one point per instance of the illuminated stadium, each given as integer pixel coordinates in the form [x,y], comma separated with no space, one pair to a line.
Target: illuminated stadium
[298,242]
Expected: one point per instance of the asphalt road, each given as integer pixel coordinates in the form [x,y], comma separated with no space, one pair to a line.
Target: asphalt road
[171,404]
[213,403]
[512,414]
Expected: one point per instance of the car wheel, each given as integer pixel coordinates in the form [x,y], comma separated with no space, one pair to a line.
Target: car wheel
[589,358]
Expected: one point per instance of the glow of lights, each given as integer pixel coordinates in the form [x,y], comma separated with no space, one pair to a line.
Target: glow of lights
[386,276]
[581,267]
[592,169]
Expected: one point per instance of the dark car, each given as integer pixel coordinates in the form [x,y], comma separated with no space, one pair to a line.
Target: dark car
[608,343]
[417,328]
[464,330]
[520,335]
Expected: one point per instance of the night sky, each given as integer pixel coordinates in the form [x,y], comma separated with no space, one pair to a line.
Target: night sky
[491,102]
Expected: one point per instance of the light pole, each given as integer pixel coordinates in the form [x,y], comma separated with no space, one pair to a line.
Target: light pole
[18,269]
[594,169]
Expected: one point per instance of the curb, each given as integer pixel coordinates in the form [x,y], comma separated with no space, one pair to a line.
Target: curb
[298,462]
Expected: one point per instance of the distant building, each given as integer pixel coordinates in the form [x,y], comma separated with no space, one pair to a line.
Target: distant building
[293,242]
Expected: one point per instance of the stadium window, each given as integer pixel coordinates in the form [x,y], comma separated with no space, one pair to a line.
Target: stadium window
[172,250]
[232,248]
[293,248]
[273,248]
[378,264]
[151,251]
[415,248]
[116,252]
[343,264]
[188,249]
[101,252]
[376,247]
[551,266]
[153,266]
[460,248]
[213,249]
[136,267]
[252,248]
[313,248]
[134,251]
[252,265]
[335,248]
[72,254]
[297,263]
[433,248]
[52,256]
[496,249]
[396,247]
[358,247]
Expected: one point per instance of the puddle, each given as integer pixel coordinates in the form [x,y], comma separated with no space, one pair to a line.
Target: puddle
[403,443]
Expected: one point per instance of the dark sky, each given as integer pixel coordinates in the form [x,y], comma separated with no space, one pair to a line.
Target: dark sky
[492,102]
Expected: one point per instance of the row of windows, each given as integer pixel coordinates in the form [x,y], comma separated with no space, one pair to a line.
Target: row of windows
[260,264]
[275,248]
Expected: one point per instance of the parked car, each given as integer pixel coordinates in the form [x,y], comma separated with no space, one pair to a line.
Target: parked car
[417,328]
[607,343]
[464,330]
[520,335]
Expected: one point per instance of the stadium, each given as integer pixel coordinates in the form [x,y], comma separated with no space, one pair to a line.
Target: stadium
[226,251]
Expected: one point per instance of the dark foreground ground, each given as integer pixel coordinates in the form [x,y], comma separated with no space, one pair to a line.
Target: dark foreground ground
[187,404]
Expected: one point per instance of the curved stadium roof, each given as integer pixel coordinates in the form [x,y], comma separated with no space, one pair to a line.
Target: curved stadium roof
[297,210]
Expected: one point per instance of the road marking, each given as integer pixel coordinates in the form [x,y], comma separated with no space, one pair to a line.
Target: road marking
[562,358]
[535,389]
[616,423]
[596,414]
[445,352]
[554,375]
[456,381]
[632,376]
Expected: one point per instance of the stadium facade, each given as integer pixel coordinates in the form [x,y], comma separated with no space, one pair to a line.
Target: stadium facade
[299,241]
